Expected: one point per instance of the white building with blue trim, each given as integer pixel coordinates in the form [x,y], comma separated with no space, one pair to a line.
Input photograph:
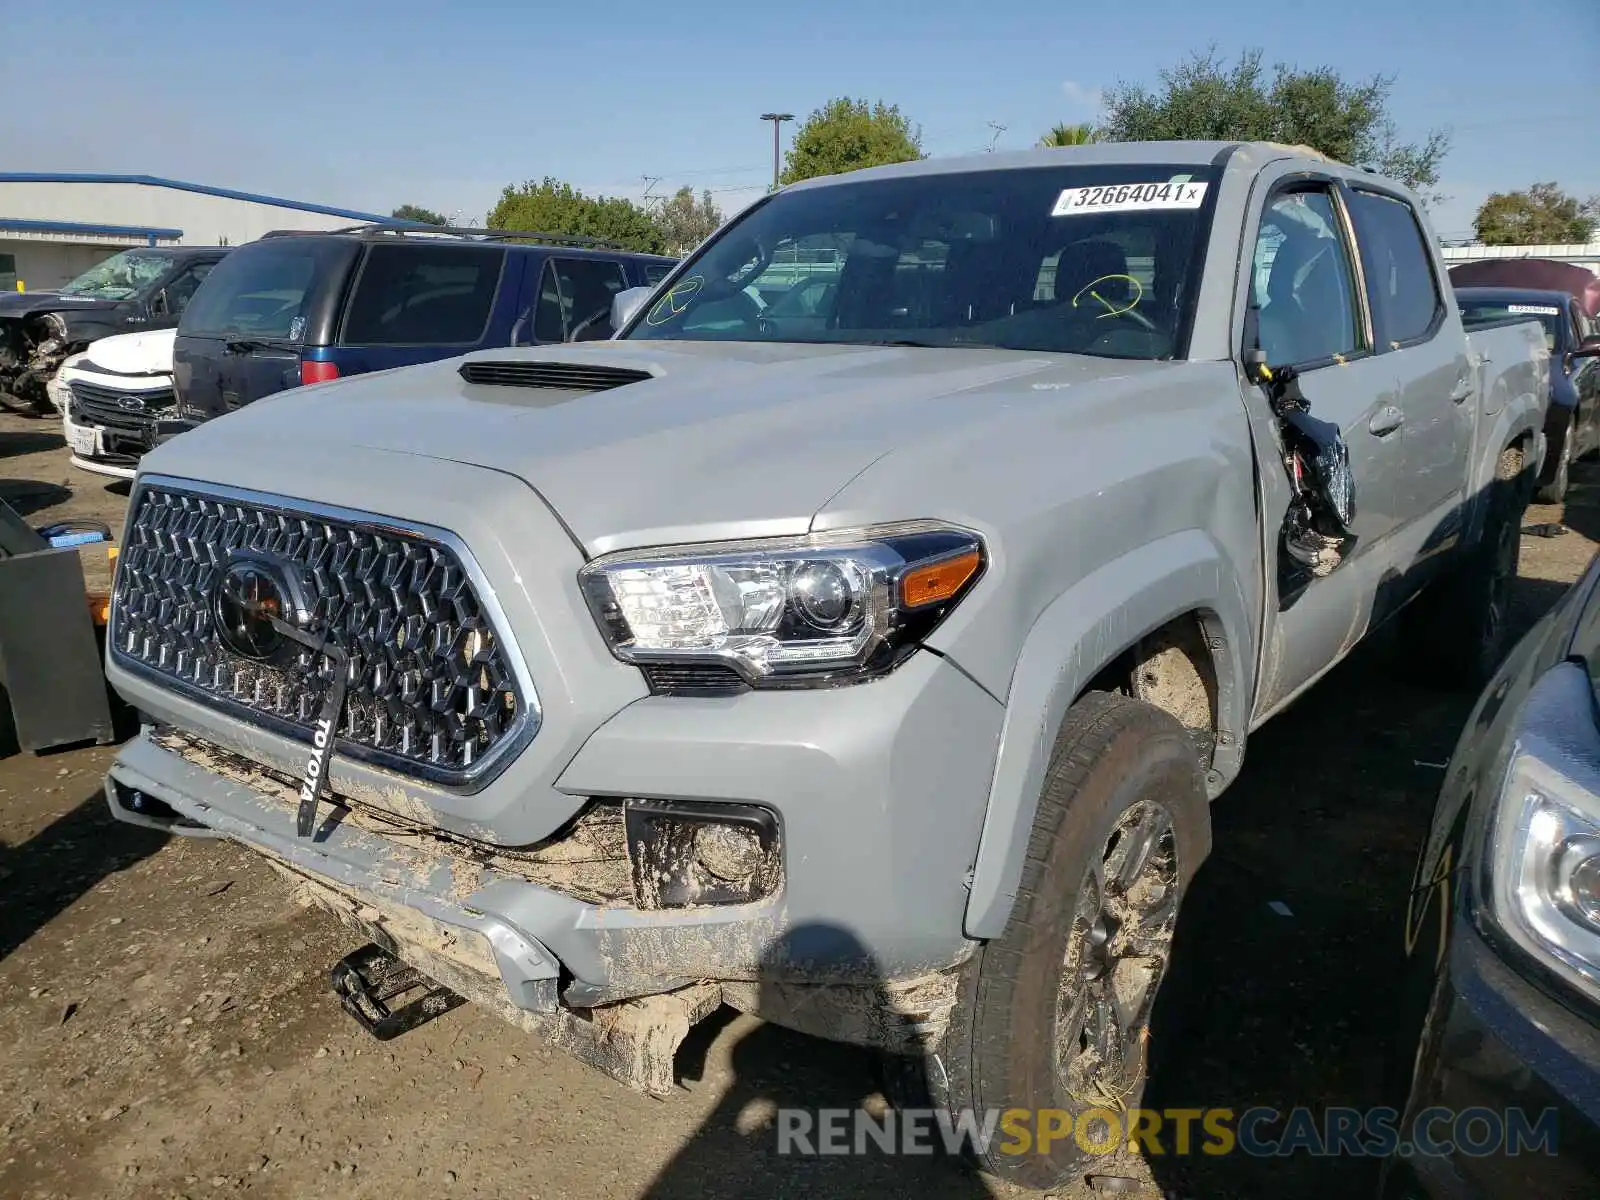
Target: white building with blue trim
[56,226]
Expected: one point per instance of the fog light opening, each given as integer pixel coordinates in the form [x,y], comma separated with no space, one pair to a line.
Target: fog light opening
[728,851]
[685,853]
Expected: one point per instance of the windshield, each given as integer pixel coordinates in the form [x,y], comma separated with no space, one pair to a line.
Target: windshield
[120,276]
[1477,314]
[1086,260]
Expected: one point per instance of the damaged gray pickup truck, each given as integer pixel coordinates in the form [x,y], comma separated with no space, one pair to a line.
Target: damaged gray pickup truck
[134,291]
[858,638]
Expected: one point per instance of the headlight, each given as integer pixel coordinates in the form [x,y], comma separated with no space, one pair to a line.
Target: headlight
[821,608]
[1545,869]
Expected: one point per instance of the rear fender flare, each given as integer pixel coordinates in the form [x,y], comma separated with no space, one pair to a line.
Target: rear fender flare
[1074,638]
[1521,417]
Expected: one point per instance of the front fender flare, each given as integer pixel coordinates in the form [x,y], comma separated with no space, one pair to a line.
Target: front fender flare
[1076,636]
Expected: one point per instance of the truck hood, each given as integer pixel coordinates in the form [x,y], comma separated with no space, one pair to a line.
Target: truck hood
[145,353]
[16,305]
[727,439]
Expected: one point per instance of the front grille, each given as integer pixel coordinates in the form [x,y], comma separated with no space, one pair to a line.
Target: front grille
[565,376]
[430,686]
[130,412]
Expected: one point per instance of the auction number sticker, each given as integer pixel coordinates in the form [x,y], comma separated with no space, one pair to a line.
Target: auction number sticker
[1534,310]
[1128,197]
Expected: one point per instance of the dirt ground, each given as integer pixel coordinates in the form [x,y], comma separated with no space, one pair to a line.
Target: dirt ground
[172,1034]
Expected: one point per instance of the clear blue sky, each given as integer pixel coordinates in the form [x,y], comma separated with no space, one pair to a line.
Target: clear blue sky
[369,106]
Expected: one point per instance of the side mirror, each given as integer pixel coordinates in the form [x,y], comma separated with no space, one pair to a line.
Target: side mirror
[625,305]
[1588,348]
[158,304]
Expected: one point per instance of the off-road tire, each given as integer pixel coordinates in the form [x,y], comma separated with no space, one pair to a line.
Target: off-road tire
[36,409]
[1117,764]
[1456,631]
[1555,491]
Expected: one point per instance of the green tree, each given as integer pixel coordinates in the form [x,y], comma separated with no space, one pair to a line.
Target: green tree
[1541,216]
[551,206]
[1069,135]
[686,222]
[415,212]
[1207,98]
[846,135]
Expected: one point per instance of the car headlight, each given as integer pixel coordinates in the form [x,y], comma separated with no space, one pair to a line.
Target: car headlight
[820,608]
[1545,869]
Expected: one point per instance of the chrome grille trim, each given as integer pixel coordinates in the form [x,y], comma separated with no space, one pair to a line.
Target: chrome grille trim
[214,693]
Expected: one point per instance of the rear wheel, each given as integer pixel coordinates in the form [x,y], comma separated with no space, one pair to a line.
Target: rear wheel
[1457,630]
[1054,1016]
[1555,491]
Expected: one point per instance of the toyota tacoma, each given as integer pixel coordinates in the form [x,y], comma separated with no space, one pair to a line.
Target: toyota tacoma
[869,665]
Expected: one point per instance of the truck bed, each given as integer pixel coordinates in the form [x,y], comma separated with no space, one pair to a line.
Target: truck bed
[1509,359]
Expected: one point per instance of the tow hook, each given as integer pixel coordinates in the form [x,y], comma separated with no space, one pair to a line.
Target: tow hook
[370,981]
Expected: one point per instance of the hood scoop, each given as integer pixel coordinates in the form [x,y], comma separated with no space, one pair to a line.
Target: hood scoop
[563,376]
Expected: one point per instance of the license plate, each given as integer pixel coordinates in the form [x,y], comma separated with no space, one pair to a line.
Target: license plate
[84,442]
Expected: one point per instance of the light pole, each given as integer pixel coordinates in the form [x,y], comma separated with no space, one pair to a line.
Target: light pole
[777,120]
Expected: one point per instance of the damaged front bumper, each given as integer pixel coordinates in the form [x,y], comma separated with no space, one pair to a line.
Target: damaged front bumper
[552,950]
[32,351]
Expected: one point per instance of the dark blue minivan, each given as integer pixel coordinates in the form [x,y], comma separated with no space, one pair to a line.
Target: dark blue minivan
[296,308]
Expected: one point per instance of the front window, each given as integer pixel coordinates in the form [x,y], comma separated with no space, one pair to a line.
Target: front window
[1099,260]
[120,276]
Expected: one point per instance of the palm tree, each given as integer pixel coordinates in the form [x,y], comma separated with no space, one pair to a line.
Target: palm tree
[1069,135]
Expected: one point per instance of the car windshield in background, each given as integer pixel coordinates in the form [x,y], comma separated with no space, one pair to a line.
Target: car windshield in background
[120,276]
[1097,260]
[266,289]
[1476,315]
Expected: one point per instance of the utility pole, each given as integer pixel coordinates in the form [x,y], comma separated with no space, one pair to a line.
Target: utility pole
[777,120]
[998,130]
[650,182]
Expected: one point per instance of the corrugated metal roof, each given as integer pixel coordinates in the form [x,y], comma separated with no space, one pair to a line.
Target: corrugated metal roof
[23,225]
[202,189]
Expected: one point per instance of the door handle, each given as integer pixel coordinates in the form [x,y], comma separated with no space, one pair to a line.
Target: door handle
[1385,421]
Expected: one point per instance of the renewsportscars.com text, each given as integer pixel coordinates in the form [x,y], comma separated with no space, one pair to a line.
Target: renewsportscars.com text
[1260,1132]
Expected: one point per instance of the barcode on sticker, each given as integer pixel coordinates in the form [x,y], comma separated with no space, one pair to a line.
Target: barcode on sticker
[1534,310]
[1128,197]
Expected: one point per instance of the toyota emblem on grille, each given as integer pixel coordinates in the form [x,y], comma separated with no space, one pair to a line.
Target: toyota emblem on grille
[248,595]
[131,403]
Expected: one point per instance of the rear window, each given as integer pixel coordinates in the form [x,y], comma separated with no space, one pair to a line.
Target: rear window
[1476,314]
[413,294]
[269,289]
[1398,266]
[654,273]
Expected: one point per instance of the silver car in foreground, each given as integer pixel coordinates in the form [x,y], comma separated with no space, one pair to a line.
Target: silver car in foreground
[866,659]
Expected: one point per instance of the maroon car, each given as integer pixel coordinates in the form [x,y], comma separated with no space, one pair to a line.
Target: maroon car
[1540,274]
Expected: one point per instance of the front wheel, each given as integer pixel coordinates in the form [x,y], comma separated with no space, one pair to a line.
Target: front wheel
[1053,1017]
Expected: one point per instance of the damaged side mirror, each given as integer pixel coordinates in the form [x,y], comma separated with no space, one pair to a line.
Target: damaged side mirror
[158,304]
[1318,527]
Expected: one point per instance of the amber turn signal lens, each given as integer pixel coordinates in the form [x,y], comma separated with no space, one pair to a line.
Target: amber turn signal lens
[938,580]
